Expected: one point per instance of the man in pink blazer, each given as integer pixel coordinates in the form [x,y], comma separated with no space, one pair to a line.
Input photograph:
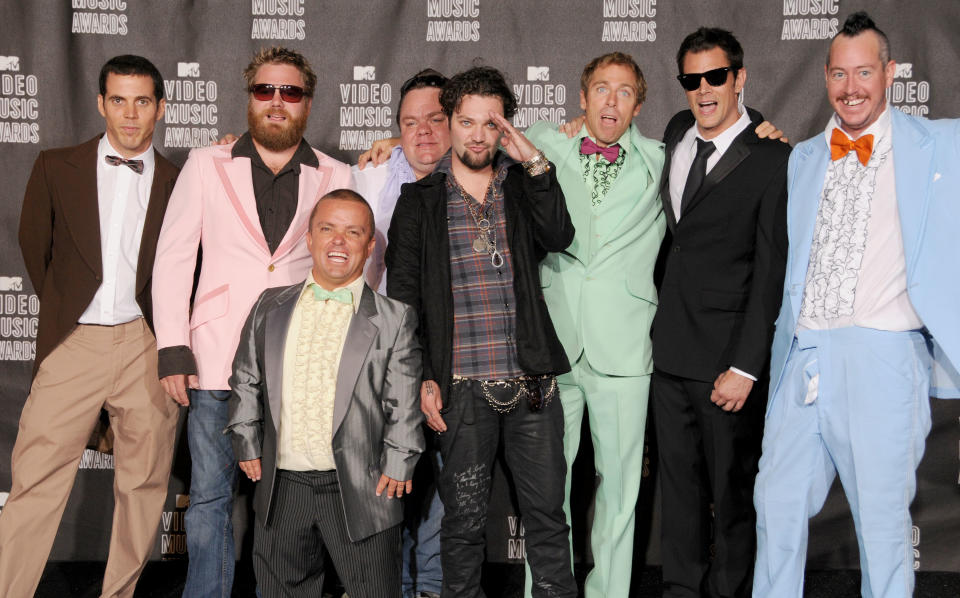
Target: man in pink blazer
[247,205]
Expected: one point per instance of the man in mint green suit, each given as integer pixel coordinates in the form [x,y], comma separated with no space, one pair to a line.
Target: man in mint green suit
[602,299]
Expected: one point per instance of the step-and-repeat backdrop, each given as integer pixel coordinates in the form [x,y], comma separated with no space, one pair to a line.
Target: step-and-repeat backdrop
[51,52]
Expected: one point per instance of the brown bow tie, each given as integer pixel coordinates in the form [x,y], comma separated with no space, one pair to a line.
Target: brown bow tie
[840,146]
[135,165]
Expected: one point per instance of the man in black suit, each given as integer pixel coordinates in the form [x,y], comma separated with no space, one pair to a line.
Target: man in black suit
[724,193]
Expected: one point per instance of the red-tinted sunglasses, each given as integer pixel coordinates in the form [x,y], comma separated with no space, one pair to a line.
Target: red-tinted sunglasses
[288,93]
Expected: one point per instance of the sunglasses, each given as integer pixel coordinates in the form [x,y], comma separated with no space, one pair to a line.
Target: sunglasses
[288,93]
[714,77]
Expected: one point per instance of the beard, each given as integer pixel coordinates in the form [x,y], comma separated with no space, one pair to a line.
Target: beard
[475,162]
[276,137]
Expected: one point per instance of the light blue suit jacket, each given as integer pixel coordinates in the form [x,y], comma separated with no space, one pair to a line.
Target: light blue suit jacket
[927,170]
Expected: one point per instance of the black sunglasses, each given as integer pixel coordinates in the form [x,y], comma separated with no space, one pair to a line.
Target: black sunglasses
[288,93]
[714,77]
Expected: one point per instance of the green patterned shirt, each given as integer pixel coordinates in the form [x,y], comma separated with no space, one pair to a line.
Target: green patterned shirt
[599,174]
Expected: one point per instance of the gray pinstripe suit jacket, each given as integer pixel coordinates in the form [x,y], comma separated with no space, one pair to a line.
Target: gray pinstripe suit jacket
[376,416]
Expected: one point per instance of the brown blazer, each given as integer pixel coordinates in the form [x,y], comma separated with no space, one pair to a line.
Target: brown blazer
[60,238]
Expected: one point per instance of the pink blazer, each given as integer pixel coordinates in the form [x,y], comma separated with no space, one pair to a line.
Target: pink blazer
[213,205]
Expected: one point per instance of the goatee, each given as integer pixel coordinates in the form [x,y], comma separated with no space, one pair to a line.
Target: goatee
[474,161]
[276,137]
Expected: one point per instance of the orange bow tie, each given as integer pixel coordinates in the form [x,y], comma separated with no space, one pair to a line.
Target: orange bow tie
[840,146]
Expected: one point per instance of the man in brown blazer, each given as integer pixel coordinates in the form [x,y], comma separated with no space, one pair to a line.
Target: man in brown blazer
[88,232]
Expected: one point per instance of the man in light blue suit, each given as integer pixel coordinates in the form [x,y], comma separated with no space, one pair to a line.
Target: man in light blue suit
[872,218]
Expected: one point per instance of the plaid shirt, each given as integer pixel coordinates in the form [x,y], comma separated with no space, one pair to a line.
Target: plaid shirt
[484,306]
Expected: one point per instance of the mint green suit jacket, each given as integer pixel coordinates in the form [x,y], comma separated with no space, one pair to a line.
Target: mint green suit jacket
[600,290]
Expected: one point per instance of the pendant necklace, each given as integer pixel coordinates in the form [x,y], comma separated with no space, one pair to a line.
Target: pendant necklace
[486,241]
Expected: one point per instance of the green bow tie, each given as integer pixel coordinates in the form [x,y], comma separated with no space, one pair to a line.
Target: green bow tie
[322,294]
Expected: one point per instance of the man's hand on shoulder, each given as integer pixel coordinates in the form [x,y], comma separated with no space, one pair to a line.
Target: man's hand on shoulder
[730,391]
[394,488]
[251,468]
[176,387]
[378,153]
[768,130]
[572,127]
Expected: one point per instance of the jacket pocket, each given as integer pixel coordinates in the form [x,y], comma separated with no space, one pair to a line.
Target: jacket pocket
[210,306]
[723,300]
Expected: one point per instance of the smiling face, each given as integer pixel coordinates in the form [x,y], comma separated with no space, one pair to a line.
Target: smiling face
[275,124]
[424,131]
[610,102]
[857,81]
[473,135]
[714,107]
[131,111]
[340,240]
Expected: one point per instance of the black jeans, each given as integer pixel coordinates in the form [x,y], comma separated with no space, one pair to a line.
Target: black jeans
[533,447]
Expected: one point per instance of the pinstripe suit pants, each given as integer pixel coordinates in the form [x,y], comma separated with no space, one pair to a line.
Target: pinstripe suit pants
[306,519]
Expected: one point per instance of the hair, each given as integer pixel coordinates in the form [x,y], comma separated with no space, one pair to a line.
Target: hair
[281,55]
[129,64]
[708,38]
[615,58]
[478,81]
[860,22]
[345,195]
[425,78]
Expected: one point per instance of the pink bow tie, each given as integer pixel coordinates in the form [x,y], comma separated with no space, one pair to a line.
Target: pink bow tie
[588,148]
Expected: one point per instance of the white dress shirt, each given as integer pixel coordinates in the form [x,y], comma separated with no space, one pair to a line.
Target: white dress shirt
[122,197]
[857,274]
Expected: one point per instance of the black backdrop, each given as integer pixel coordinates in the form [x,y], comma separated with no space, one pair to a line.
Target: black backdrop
[51,52]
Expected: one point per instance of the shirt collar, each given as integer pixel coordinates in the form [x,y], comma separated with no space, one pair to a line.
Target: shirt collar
[304,155]
[356,289]
[880,129]
[105,148]
[723,140]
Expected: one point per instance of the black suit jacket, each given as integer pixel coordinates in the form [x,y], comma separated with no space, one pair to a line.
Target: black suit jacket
[724,261]
[418,266]
[60,237]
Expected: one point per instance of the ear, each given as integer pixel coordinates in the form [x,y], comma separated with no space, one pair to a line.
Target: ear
[583,101]
[103,112]
[741,80]
[161,108]
[889,71]
[636,109]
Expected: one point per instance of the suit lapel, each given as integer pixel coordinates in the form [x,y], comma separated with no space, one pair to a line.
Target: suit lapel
[314,182]
[237,182]
[577,194]
[276,328]
[672,138]
[82,207]
[360,336]
[806,185]
[914,166]
[164,176]
[646,168]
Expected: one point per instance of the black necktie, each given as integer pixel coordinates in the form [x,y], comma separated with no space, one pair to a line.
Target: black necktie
[135,165]
[698,172]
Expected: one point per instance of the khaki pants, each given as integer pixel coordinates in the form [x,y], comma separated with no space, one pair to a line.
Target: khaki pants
[112,367]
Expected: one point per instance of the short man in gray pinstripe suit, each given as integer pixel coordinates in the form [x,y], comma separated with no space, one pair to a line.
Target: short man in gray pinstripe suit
[324,413]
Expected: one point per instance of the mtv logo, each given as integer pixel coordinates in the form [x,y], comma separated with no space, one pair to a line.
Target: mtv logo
[188,69]
[183,501]
[11,283]
[904,70]
[9,63]
[538,73]
[364,73]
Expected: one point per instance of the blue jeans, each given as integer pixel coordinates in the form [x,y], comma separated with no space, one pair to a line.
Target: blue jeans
[213,480]
[421,531]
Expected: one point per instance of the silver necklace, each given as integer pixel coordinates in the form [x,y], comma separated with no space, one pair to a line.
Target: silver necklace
[486,241]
